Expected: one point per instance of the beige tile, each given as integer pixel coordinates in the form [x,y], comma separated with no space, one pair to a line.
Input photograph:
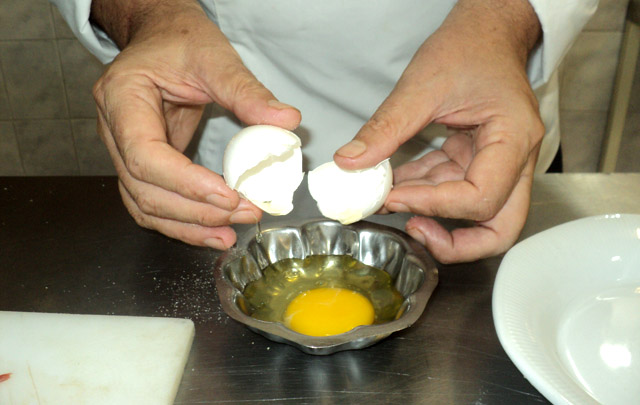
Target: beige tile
[5,107]
[93,157]
[634,101]
[629,157]
[46,147]
[589,72]
[25,19]
[61,27]
[33,79]
[581,138]
[10,164]
[81,70]
[609,16]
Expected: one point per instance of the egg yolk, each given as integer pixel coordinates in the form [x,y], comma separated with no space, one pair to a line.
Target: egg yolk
[328,311]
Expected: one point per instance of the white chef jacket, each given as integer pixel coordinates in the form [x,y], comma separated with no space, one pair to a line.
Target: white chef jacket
[336,61]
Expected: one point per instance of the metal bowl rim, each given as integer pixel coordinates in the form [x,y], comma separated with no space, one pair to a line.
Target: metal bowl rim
[326,344]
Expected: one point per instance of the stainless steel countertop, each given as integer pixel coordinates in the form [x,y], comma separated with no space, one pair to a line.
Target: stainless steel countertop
[68,245]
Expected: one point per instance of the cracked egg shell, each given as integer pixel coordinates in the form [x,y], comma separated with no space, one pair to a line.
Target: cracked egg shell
[350,195]
[263,163]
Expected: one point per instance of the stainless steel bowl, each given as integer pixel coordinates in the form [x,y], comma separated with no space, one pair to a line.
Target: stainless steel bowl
[410,266]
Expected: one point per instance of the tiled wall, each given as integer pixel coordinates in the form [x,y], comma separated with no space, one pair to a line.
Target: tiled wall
[47,114]
[629,159]
[588,74]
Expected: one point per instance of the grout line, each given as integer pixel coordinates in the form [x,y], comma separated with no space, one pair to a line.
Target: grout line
[53,22]
[5,89]
[15,137]
[56,45]
[66,104]
[64,82]
[12,115]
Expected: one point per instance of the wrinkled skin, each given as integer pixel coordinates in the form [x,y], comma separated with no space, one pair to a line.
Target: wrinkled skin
[476,84]
[150,101]
[468,76]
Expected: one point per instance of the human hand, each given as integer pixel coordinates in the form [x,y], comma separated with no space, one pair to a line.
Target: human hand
[469,75]
[174,61]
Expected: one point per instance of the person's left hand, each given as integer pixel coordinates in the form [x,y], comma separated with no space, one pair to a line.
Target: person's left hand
[469,75]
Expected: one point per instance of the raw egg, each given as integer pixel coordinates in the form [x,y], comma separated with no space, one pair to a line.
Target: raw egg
[322,295]
[328,311]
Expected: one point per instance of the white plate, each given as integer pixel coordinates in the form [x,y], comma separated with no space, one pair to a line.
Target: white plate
[566,306]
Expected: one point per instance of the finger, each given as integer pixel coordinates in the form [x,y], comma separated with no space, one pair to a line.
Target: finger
[404,112]
[132,116]
[460,148]
[419,168]
[488,182]
[457,148]
[444,172]
[221,237]
[466,244]
[432,169]
[213,71]
[459,245]
[484,240]
[157,202]
[233,86]
[182,121]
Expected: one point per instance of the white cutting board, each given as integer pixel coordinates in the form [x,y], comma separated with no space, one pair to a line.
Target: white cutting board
[91,359]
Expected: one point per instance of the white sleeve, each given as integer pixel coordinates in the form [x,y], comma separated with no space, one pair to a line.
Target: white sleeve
[561,21]
[76,14]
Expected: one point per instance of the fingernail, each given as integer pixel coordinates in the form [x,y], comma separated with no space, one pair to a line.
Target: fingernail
[243,217]
[417,235]
[278,105]
[215,243]
[352,149]
[397,207]
[220,201]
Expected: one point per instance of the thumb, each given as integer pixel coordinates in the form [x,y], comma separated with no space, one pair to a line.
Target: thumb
[234,87]
[254,104]
[405,112]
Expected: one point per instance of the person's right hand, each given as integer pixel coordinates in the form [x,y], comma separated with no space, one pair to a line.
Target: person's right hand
[174,61]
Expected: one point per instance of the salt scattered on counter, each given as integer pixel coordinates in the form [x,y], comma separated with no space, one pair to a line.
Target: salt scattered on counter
[193,295]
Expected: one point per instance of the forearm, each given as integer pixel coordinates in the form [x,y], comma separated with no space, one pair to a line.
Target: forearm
[122,19]
[507,23]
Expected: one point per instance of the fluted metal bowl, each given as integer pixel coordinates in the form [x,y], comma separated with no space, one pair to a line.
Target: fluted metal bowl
[411,268]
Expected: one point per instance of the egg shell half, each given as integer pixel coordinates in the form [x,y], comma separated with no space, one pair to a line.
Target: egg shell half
[264,164]
[350,195]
